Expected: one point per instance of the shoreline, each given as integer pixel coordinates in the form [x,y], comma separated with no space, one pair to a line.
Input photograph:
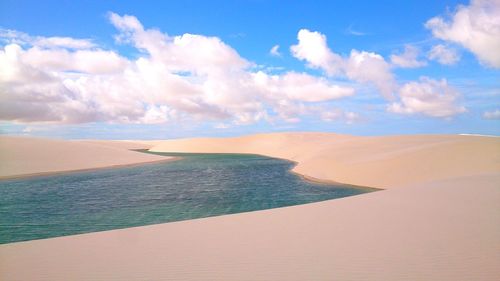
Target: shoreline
[25,157]
[291,170]
[174,158]
[185,220]
[177,158]
[375,162]
[56,173]
[305,150]
[331,182]
[379,236]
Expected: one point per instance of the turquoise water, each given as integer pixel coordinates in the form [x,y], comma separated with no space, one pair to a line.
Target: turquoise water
[199,185]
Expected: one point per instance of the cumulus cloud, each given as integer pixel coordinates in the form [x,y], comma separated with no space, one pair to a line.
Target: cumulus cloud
[492,115]
[443,54]
[181,78]
[475,26]
[408,59]
[338,114]
[174,78]
[368,67]
[434,98]
[312,48]
[13,36]
[85,61]
[360,66]
[429,97]
[300,86]
[275,51]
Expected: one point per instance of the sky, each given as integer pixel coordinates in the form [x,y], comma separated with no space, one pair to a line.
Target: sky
[173,69]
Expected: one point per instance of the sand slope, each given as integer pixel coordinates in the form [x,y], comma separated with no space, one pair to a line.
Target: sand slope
[21,156]
[125,144]
[382,162]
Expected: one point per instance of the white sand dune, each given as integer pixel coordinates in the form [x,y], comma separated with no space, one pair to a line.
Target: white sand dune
[125,144]
[383,162]
[22,156]
[438,220]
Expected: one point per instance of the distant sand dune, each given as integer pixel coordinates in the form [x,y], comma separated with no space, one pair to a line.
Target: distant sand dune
[21,156]
[383,162]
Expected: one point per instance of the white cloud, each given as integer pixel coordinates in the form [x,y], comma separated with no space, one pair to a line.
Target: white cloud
[300,86]
[492,115]
[64,42]
[339,115]
[187,77]
[408,59]
[368,67]
[443,54]
[126,23]
[275,51]
[475,27]
[313,49]
[222,126]
[85,61]
[364,67]
[351,31]
[16,37]
[428,97]
[188,52]
[174,79]
[156,114]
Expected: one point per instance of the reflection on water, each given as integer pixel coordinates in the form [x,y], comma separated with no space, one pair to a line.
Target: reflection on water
[199,185]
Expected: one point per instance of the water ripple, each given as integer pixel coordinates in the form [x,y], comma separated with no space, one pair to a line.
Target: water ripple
[199,185]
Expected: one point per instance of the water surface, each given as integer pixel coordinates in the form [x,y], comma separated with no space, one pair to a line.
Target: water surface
[199,185]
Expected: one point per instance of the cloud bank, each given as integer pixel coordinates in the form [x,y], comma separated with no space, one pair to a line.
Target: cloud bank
[194,77]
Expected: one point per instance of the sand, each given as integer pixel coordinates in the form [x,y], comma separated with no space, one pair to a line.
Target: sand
[382,162]
[25,156]
[436,220]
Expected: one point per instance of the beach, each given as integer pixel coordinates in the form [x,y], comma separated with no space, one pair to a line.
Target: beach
[436,219]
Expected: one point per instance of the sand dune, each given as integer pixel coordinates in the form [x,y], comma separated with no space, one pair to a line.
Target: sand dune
[125,144]
[383,162]
[21,156]
[437,220]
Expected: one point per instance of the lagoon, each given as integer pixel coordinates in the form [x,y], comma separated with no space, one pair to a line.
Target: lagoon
[199,185]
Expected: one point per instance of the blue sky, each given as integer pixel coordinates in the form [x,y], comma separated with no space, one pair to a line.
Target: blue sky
[363,68]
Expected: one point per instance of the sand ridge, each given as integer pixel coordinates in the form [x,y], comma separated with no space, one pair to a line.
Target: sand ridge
[28,156]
